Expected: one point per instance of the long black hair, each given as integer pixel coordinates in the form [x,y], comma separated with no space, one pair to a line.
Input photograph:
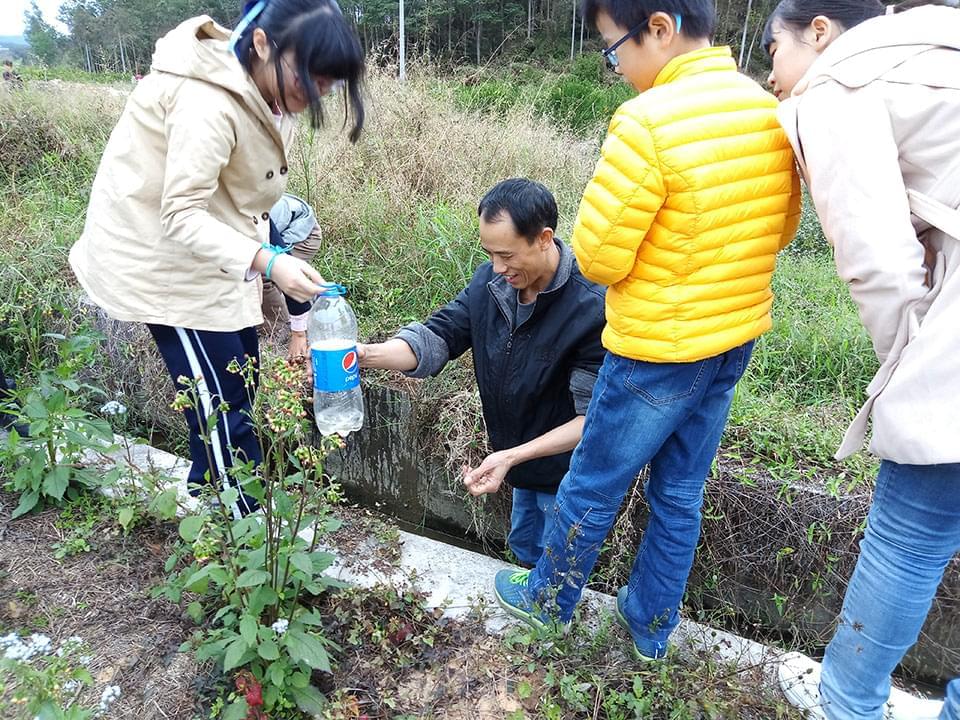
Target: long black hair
[795,15]
[322,43]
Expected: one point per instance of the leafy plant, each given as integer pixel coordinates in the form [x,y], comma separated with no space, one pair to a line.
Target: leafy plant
[37,681]
[48,465]
[254,574]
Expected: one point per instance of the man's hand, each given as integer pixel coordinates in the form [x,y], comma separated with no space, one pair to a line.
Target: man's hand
[393,354]
[488,476]
[363,354]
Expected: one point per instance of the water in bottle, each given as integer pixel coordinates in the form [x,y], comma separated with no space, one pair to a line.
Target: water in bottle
[332,333]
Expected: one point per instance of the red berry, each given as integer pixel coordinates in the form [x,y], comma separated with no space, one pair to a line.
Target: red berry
[254,696]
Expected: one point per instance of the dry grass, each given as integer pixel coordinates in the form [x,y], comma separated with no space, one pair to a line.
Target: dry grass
[417,147]
[70,121]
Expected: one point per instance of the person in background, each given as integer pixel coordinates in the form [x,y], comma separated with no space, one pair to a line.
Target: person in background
[294,230]
[871,102]
[533,323]
[10,76]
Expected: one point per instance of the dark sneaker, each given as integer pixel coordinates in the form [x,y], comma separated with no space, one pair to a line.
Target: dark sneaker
[510,587]
[622,619]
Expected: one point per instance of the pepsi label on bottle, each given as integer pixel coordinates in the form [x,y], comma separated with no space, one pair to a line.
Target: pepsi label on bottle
[336,367]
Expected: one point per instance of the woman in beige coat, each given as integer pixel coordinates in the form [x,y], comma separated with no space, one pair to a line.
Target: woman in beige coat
[872,105]
[177,230]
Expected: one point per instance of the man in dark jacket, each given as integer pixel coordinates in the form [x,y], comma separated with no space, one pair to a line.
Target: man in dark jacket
[533,322]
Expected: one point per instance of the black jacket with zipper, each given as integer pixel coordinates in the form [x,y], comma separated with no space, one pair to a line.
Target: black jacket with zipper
[529,376]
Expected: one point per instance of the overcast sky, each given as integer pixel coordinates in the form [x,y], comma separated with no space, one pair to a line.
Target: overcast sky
[11,15]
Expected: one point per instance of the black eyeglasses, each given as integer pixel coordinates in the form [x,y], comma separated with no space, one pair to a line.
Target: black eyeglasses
[610,53]
[322,89]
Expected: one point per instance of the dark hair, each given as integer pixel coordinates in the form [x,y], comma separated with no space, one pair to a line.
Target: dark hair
[529,205]
[699,16]
[9,62]
[794,15]
[323,43]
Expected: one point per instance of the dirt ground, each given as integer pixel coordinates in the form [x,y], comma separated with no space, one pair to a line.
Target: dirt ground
[103,595]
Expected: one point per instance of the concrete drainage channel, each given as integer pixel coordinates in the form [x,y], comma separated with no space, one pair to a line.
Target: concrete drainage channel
[460,578]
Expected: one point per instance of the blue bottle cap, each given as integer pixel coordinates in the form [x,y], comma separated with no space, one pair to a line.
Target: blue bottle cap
[333,290]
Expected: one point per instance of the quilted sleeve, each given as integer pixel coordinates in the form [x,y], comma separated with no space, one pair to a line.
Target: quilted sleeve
[620,202]
[793,213]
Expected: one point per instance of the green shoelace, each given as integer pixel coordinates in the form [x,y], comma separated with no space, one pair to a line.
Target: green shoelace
[520,578]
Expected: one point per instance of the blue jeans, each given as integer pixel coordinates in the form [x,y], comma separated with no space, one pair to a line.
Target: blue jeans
[531,520]
[913,531]
[670,415]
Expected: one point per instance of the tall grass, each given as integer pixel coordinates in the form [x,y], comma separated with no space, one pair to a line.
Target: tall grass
[399,208]
[50,142]
[582,99]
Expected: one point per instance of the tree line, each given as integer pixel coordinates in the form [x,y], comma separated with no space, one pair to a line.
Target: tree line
[119,35]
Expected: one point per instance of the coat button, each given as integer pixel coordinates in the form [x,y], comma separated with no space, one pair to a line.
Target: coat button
[269,174]
[283,169]
[265,216]
[256,220]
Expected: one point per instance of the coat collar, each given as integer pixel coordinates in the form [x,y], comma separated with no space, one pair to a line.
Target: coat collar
[864,53]
[198,48]
[506,296]
[709,59]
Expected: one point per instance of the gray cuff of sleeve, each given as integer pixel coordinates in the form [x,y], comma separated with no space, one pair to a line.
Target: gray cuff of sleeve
[431,349]
[581,387]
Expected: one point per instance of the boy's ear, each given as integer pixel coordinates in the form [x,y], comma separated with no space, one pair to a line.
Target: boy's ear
[662,27]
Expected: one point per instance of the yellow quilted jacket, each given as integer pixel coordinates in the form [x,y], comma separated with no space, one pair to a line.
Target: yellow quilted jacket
[694,194]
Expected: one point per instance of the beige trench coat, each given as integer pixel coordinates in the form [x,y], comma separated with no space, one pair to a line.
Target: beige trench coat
[180,203]
[875,124]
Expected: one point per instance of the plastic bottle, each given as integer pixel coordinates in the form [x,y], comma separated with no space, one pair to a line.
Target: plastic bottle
[332,333]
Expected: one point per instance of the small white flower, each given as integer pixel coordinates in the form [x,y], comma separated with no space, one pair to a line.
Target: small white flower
[71,686]
[19,651]
[40,644]
[69,645]
[110,695]
[280,626]
[113,407]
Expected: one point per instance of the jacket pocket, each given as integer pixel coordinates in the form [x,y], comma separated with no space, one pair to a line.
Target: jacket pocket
[664,383]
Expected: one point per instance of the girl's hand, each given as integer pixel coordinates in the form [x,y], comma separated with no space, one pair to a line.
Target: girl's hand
[295,278]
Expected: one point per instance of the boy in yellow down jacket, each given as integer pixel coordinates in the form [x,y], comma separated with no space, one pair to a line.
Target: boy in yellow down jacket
[694,194]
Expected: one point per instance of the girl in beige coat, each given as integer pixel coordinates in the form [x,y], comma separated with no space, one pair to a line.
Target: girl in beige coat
[177,230]
[872,105]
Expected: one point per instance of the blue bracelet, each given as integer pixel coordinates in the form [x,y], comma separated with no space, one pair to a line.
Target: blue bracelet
[266,273]
[276,251]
